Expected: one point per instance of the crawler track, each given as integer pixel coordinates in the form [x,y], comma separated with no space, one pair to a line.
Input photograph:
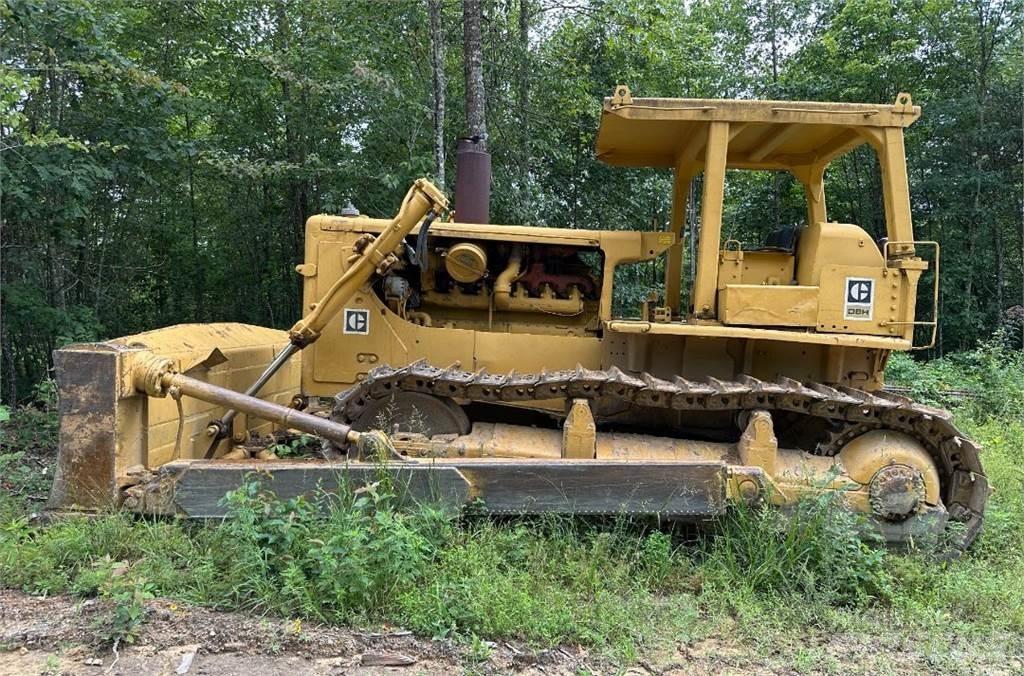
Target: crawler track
[964,486]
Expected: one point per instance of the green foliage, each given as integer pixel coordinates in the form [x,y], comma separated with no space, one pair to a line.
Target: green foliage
[479,650]
[545,582]
[982,383]
[299,446]
[28,441]
[122,623]
[820,553]
[21,478]
[122,597]
[333,558]
[159,161]
[31,429]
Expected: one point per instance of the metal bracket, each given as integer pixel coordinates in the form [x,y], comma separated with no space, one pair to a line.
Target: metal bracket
[904,104]
[622,96]
[579,432]
[758,445]
[732,250]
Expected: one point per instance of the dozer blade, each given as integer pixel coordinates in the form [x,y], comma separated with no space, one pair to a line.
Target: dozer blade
[680,490]
[109,430]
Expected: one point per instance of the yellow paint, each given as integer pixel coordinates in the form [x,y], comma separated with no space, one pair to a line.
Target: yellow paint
[149,426]
[466,262]
[714,330]
[758,445]
[579,432]
[705,284]
[752,305]
[872,451]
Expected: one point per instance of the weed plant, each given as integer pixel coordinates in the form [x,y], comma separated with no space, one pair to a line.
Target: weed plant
[818,553]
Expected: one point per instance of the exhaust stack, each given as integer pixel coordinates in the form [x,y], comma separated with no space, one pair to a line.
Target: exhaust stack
[473,181]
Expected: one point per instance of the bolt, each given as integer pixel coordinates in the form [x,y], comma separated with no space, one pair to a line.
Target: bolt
[749,492]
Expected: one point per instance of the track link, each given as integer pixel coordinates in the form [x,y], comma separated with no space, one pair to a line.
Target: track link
[964,486]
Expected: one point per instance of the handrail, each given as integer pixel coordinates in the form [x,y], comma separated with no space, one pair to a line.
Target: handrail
[934,322]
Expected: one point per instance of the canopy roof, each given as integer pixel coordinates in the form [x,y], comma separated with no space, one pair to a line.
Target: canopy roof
[656,132]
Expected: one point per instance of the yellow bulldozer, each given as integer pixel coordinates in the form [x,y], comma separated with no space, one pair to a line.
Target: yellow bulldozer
[486,363]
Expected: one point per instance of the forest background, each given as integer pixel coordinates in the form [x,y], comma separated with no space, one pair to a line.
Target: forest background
[158,160]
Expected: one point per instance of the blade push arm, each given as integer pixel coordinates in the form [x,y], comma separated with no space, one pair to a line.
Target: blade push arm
[423,201]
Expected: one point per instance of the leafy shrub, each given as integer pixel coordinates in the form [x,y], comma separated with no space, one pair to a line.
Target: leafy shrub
[295,447]
[330,558]
[21,477]
[125,610]
[28,444]
[992,374]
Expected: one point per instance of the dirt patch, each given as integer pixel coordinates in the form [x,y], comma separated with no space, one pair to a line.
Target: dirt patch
[54,635]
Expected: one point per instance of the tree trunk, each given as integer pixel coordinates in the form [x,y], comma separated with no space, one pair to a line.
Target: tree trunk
[472,46]
[295,153]
[438,83]
[524,89]
[198,268]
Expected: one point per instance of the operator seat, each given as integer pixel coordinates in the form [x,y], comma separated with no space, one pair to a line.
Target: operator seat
[782,239]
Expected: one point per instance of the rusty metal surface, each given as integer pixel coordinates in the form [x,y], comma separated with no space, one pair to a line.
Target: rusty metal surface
[265,410]
[472,182]
[964,486]
[671,489]
[190,344]
[87,379]
[896,491]
[227,355]
[685,490]
[197,487]
[107,427]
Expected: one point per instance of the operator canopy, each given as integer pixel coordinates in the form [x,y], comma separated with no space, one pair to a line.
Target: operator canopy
[661,132]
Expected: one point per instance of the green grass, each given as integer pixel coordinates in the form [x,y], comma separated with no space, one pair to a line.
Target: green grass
[623,588]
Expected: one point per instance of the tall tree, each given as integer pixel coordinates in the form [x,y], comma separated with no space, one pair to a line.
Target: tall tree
[524,91]
[473,57]
[437,86]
